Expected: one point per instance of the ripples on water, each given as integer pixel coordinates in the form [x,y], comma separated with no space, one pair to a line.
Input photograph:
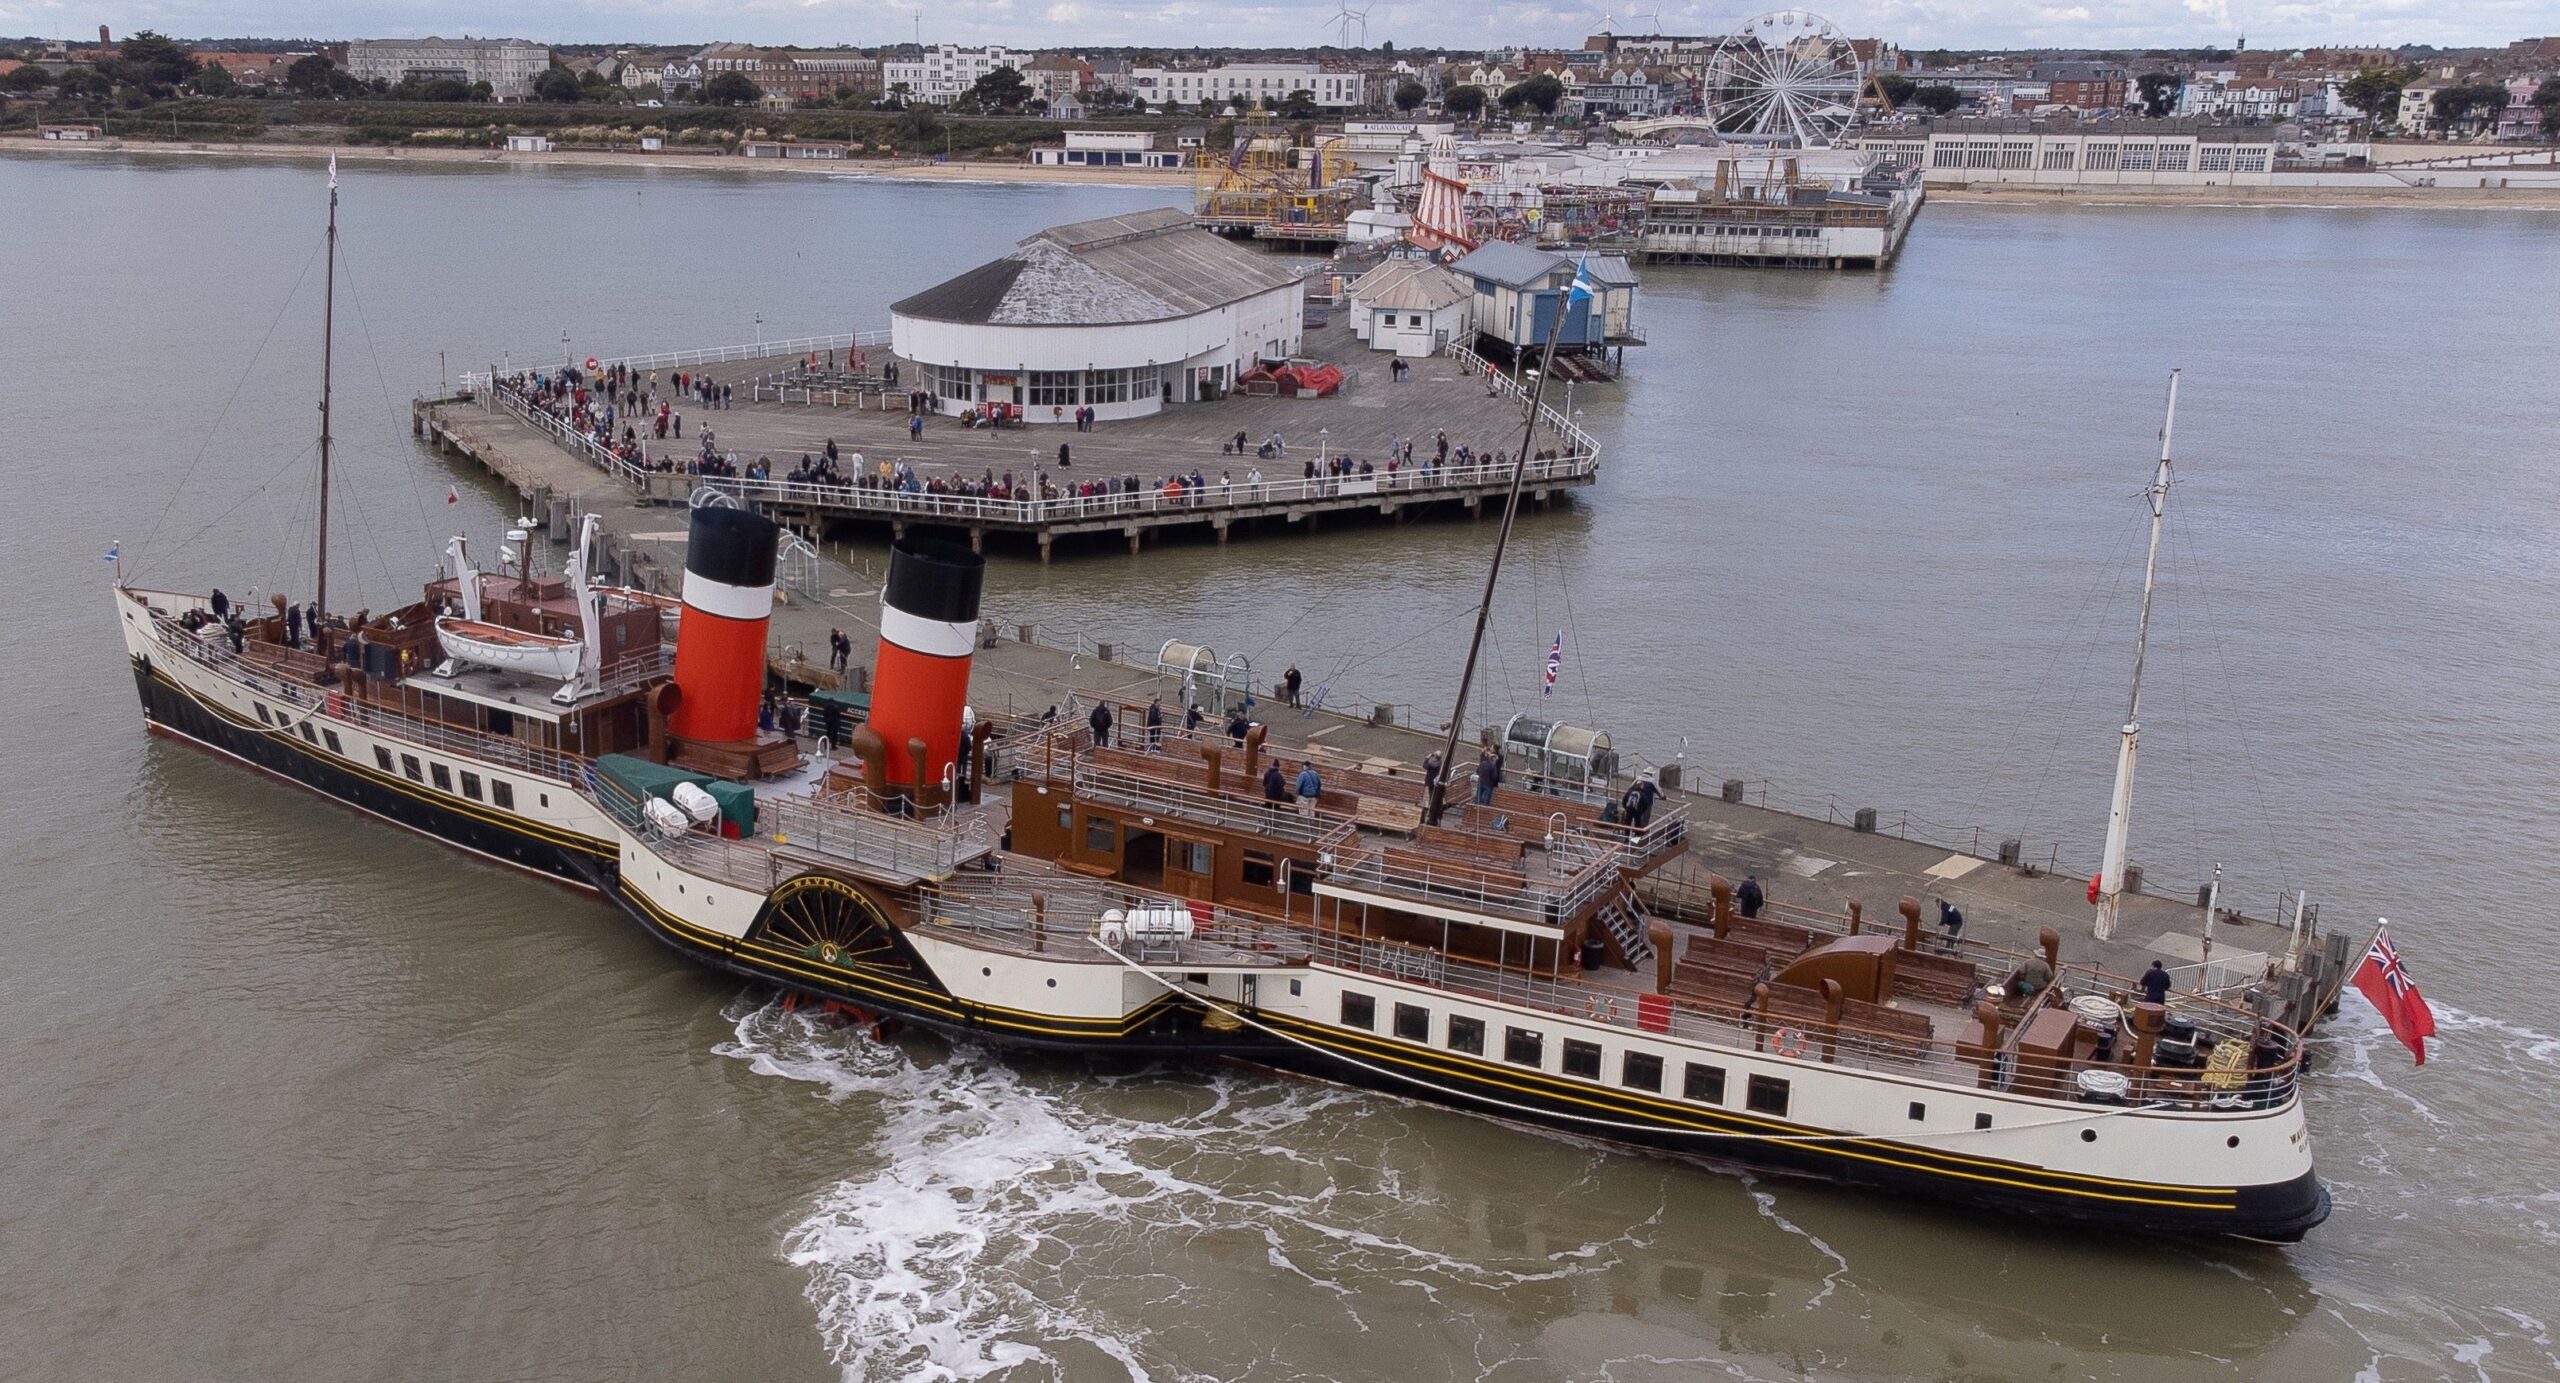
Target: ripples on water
[1014,1219]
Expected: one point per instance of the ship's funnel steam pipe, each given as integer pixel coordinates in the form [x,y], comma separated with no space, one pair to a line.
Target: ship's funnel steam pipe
[928,630]
[728,597]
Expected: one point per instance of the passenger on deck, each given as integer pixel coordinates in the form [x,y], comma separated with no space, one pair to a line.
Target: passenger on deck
[1275,784]
[2029,979]
[1950,920]
[1155,725]
[1237,725]
[1488,777]
[1101,722]
[1191,718]
[1639,801]
[1310,787]
[2156,984]
[1750,896]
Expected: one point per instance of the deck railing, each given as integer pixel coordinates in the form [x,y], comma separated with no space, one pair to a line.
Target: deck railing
[1215,497]
[207,651]
[1457,884]
[874,843]
[579,444]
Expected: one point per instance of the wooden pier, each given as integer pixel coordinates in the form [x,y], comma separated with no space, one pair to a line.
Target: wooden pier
[1242,490]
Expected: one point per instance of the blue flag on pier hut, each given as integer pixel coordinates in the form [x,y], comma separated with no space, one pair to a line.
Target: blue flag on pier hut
[1583,287]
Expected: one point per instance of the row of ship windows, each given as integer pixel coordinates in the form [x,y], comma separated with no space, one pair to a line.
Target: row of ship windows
[1768,1095]
[501,793]
[1528,1047]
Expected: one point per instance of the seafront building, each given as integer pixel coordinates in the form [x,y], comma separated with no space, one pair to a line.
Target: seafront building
[942,73]
[1248,82]
[1123,315]
[1108,149]
[2068,153]
[510,66]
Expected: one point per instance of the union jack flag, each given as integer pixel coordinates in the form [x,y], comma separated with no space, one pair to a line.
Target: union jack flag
[1555,664]
[2385,983]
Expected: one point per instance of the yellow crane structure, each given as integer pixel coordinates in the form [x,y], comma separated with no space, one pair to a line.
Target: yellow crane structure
[1273,185]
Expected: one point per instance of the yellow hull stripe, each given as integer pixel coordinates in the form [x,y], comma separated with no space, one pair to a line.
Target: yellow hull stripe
[1676,1117]
[548,835]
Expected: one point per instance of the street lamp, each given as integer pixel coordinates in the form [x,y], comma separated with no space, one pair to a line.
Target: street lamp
[759,327]
[564,346]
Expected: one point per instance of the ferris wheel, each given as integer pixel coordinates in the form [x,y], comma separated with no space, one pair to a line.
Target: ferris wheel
[1789,74]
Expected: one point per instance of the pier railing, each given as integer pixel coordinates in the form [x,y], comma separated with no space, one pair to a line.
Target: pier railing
[1201,500]
[1510,387]
[579,444]
[713,355]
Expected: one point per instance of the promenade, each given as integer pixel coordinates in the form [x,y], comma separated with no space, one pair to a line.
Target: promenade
[1016,482]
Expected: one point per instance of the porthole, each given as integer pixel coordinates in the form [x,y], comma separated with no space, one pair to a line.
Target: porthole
[1053,984]
[987,970]
[2088,1135]
[2231,1142]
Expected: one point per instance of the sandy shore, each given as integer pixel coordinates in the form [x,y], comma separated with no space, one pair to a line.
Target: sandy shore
[915,170]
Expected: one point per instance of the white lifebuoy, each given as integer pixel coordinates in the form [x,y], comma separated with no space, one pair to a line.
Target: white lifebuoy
[1787,1042]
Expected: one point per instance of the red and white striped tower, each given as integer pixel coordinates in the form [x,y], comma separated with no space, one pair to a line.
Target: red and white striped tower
[928,629]
[728,597]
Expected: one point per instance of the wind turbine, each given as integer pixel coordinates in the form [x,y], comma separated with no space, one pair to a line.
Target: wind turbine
[1348,18]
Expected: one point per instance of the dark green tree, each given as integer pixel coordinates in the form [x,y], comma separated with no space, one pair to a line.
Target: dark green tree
[1001,89]
[1410,95]
[28,78]
[1937,98]
[156,62]
[2374,90]
[556,84]
[2159,93]
[1543,93]
[1465,102]
[2455,104]
[77,82]
[1298,105]
[214,79]
[315,76]
[1897,88]
[2546,98]
[731,89]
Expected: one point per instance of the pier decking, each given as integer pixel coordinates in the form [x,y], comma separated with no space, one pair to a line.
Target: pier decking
[1451,394]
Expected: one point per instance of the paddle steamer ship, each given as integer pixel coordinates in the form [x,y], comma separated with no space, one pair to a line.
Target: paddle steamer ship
[1521,957]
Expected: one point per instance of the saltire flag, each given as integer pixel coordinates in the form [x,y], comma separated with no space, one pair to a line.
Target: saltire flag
[453,494]
[1583,288]
[114,551]
[2387,986]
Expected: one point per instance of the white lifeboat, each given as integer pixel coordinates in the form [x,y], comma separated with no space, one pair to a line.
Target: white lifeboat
[509,650]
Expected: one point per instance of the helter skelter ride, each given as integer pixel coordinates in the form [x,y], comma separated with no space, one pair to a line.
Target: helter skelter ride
[1786,75]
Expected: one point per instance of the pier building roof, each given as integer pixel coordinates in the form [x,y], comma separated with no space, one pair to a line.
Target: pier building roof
[1143,266]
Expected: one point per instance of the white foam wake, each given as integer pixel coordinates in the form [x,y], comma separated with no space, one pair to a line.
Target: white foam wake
[1015,1220]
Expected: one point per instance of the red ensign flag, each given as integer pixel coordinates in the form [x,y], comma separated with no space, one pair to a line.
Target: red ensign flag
[2385,983]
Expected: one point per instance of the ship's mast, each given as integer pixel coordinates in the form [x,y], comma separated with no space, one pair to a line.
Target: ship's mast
[1436,799]
[328,326]
[2120,811]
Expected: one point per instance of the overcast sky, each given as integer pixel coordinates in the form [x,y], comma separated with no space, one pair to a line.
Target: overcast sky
[1469,24]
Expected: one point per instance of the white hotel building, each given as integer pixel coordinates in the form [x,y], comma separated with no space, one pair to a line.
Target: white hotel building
[1249,82]
[510,66]
[945,71]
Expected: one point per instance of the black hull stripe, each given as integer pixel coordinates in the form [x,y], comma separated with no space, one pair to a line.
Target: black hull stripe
[1164,1028]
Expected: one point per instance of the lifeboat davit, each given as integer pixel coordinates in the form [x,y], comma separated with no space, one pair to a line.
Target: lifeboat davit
[509,650]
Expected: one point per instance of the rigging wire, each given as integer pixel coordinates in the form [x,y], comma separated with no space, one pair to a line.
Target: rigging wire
[187,472]
[364,329]
[2071,698]
[247,495]
[2212,628]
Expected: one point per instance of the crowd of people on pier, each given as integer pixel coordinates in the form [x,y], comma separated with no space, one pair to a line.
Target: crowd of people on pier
[630,415]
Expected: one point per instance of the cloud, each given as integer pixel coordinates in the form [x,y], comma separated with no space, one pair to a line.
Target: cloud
[1459,25]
